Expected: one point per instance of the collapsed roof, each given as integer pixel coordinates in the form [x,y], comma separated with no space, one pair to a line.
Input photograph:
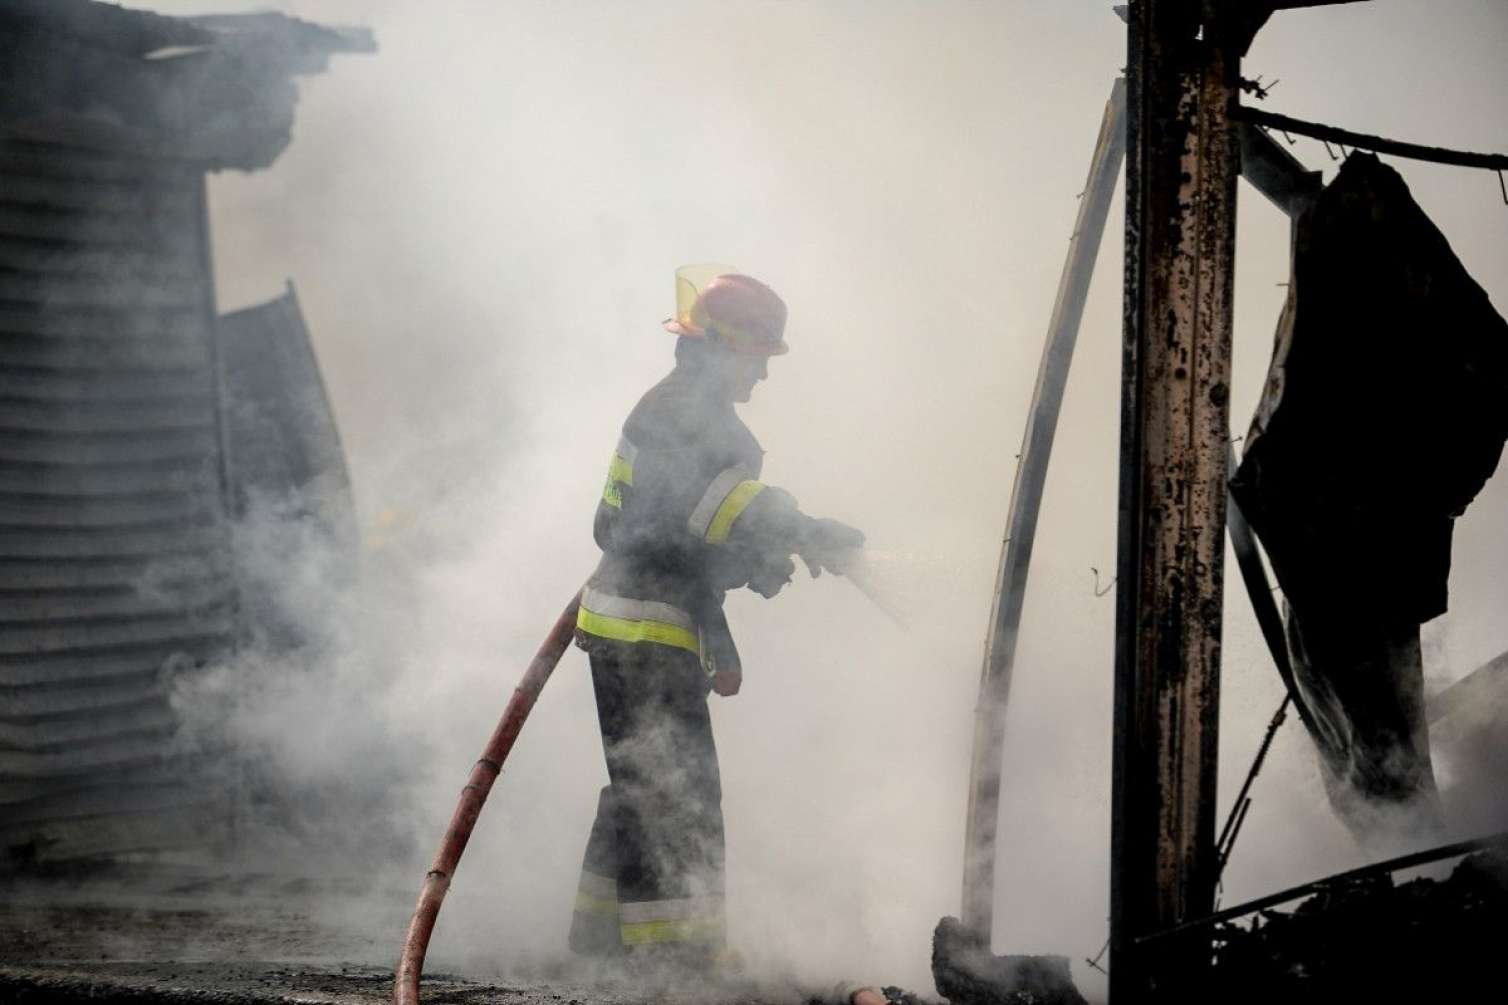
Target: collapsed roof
[217,89]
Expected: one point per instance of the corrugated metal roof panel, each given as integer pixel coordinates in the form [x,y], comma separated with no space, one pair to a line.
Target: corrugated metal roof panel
[107,664]
[73,605]
[51,639]
[52,352]
[22,574]
[160,828]
[92,543]
[132,751]
[102,725]
[106,480]
[50,699]
[76,449]
[114,547]
[86,417]
[155,508]
[20,319]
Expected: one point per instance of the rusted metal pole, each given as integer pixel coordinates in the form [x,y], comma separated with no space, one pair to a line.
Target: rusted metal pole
[1021,521]
[1181,172]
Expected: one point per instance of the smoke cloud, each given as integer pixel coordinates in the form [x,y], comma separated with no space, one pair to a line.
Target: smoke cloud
[483,220]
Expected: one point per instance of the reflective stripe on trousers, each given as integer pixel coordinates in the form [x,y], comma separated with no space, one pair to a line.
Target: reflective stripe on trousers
[594,920]
[692,919]
[659,828]
[597,894]
[624,619]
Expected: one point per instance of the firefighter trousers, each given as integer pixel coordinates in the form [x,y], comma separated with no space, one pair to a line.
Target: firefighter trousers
[652,875]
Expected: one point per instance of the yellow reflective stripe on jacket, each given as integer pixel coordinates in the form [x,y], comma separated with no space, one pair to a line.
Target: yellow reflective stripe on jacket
[726,497]
[732,507]
[627,620]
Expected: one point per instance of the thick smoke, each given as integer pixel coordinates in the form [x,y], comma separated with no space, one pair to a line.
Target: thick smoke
[483,220]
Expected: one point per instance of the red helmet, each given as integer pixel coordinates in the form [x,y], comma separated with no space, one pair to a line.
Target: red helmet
[737,311]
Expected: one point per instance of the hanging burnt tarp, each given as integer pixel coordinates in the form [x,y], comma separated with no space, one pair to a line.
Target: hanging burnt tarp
[1384,414]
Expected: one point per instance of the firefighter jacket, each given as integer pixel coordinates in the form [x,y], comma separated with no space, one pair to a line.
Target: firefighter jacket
[683,518]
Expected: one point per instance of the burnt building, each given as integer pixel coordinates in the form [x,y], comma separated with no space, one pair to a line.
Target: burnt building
[134,420]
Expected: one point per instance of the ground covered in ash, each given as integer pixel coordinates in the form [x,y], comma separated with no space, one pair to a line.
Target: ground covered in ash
[184,936]
[1375,941]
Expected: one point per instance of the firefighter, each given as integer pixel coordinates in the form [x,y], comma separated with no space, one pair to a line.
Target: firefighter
[683,518]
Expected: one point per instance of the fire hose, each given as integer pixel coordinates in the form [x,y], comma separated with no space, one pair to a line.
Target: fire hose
[473,795]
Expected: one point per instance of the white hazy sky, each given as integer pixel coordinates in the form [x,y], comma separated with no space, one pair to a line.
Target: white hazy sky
[483,219]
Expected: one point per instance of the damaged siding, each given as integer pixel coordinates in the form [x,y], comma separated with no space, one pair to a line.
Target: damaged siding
[114,563]
[287,466]
[279,426]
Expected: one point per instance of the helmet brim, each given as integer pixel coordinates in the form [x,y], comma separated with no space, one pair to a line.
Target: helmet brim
[684,330]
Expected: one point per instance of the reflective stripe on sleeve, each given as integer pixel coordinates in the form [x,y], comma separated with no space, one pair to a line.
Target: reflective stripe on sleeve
[725,499]
[731,509]
[620,472]
[626,620]
[621,468]
[699,919]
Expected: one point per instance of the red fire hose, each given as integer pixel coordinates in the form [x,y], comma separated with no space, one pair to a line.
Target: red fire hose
[437,880]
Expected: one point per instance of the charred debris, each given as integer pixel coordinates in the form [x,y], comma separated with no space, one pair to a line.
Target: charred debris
[1371,939]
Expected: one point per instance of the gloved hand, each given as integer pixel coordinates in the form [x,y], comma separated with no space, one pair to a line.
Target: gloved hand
[827,544]
[772,575]
[727,682]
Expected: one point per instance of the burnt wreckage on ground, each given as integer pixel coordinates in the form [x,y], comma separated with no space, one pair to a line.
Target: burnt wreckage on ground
[135,423]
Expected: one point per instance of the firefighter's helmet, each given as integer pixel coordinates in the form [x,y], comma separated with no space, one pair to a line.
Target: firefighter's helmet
[735,310]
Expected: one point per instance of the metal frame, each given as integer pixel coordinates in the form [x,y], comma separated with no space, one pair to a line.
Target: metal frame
[1285,181]
[1021,523]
